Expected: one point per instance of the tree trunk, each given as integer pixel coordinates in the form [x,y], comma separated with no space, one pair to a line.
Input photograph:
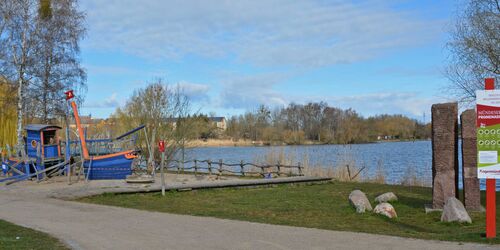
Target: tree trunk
[46,89]
[20,110]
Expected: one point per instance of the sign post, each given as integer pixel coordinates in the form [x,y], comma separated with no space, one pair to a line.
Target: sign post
[161,147]
[488,147]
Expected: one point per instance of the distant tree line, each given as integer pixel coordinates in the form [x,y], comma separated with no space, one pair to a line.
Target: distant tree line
[167,113]
[319,122]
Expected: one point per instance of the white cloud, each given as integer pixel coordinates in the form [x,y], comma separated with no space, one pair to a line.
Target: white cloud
[249,91]
[264,33]
[195,91]
[407,103]
[246,92]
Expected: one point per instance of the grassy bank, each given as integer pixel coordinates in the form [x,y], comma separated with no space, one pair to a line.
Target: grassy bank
[322,206]
[17,237]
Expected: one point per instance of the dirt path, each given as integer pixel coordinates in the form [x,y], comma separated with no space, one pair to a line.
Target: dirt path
[89,226]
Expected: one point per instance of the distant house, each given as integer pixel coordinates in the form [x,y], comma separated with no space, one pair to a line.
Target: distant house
[220,122]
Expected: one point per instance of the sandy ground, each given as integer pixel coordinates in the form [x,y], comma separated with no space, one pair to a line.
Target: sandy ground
[89,226]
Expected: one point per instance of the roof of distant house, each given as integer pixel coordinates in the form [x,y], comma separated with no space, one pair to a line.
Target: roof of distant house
[217,118]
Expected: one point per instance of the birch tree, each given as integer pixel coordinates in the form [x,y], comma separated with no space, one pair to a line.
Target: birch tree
[39,52]
[57,68]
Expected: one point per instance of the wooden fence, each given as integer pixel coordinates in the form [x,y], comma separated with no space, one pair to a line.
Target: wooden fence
[240,169]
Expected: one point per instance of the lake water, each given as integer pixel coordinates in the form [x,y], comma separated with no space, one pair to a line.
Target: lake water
[396,159]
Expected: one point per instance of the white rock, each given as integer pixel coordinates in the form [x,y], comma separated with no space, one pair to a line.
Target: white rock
[359,201]
[454,210]
[386,209]
[387,197]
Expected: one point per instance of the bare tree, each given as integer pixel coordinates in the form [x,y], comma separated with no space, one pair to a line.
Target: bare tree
[157,106]
[475,48]
[57,65]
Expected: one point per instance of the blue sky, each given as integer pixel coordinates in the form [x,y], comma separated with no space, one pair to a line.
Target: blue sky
[230,56]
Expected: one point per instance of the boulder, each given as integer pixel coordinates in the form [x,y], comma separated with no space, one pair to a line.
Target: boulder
[359,201]
[387,197]
[454,210]
[386,209]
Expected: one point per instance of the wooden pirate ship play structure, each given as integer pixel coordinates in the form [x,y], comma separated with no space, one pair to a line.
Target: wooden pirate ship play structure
[44,154]
[40,156]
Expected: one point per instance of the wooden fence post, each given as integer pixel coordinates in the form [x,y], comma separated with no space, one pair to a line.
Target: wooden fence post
[300,170]
[279,169]
[349,171]
[209,168]
[209,163]
[195,167]
[242,170]
[220,168]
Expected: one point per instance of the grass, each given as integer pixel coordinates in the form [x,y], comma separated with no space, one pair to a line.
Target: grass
[323,206]
[17,237]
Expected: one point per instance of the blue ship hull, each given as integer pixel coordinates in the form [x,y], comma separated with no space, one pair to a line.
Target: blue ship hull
[112,167]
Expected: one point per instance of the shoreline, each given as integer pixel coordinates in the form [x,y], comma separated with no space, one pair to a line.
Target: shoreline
[213,143]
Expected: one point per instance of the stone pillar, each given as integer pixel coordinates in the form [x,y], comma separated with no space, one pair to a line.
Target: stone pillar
[444,153]
[472,198]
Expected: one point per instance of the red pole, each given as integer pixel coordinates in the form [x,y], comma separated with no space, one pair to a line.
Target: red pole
[491,228]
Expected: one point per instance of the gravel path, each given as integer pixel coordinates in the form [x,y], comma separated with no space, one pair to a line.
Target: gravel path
[89,226]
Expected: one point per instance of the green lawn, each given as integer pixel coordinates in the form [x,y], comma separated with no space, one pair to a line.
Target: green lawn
[322,206]
[17,237]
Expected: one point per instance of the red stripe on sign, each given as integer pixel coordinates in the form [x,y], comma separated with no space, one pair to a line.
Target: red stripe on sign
[487,115]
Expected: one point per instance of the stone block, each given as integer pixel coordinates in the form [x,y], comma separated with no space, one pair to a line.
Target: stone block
[469,161]
[444,153]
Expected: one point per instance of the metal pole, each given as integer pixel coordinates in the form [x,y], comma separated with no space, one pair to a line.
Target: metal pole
[90,169]
[162,174]
[151,153]
[491,210]
[67,153]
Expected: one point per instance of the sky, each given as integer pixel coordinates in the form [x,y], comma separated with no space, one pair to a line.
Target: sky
[230,56]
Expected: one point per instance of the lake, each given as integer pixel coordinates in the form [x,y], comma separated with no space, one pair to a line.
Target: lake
[396,159]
